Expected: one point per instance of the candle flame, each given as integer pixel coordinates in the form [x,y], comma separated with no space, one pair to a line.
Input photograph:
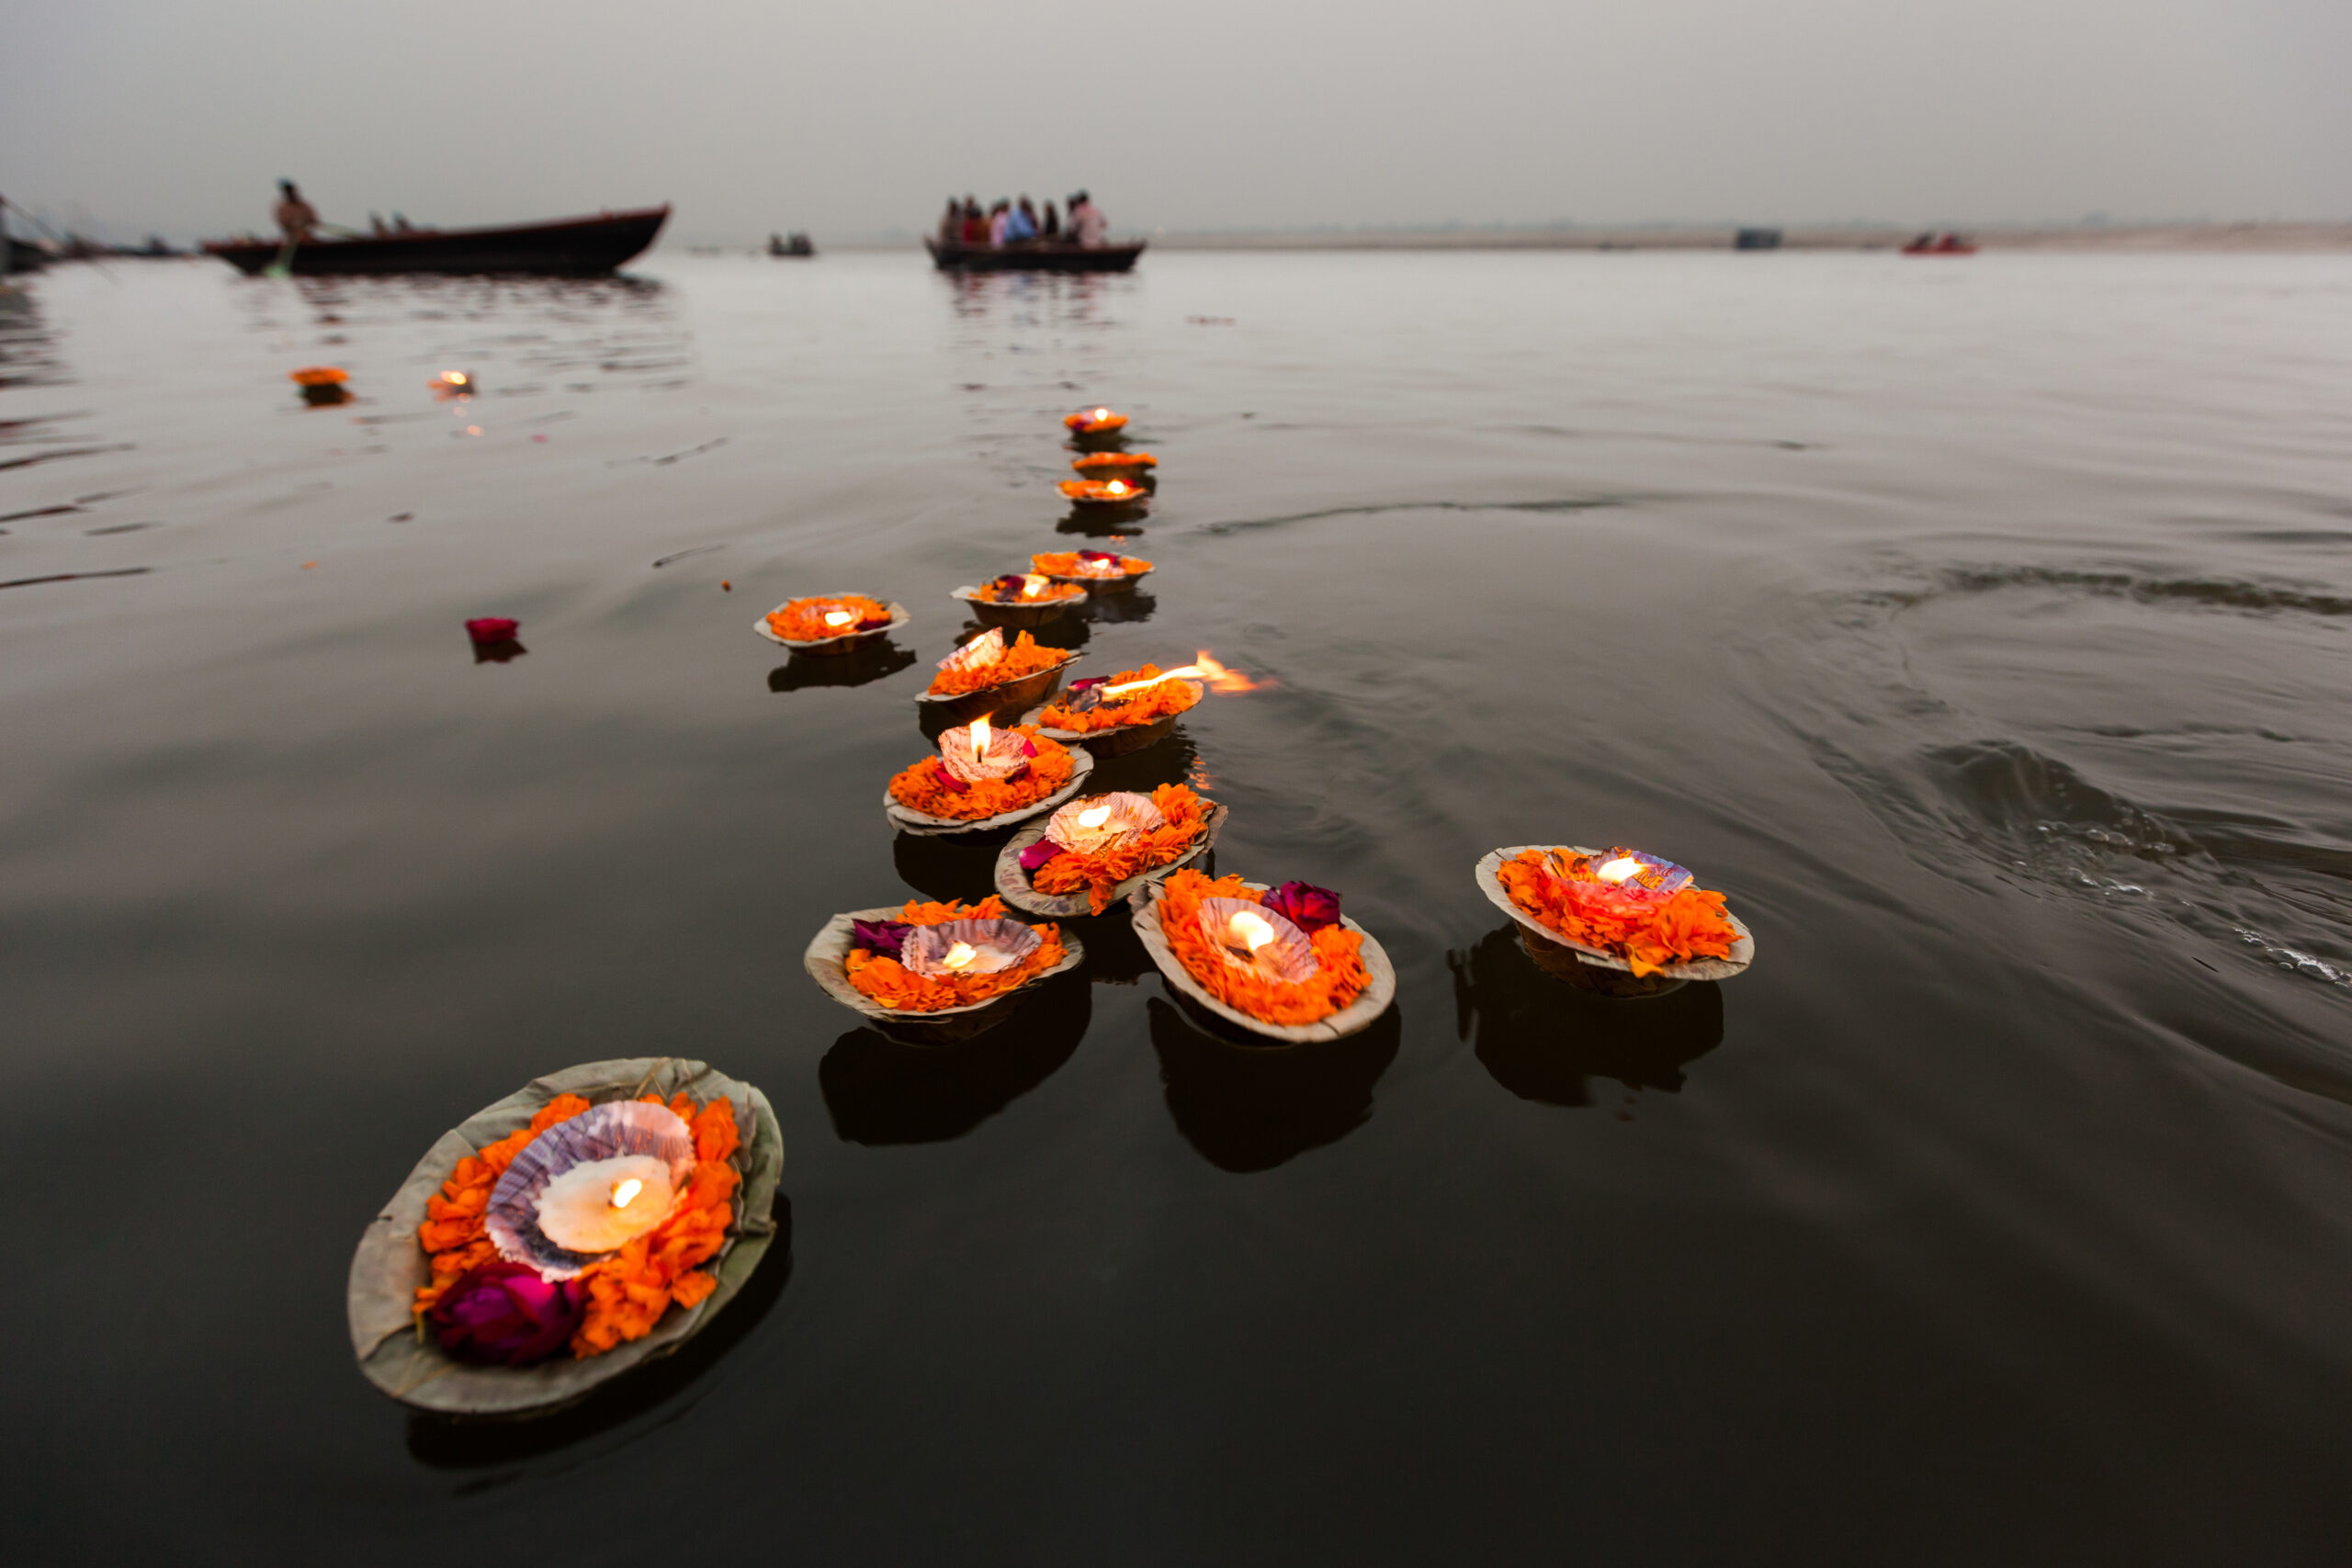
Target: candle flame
[623,1191]
[980,737]
[1032,586]
[1102,414]
[1221,679]
[1117,487]
[1251,930]
[1094,818]
[1624,868]
[838,618]
[959,956]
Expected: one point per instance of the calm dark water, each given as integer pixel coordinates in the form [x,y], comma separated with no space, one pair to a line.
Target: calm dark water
[1981,627]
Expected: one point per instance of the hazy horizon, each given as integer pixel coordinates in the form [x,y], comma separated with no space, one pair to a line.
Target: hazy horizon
[122,117]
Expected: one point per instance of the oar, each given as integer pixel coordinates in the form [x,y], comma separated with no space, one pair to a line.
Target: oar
[283,266]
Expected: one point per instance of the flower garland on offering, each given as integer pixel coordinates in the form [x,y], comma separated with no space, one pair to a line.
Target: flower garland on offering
[814,620]
[986,661]
[1101,566]
[1337,975]
[1635,907]
[1098,463]
[979,774]
[1094,422]
[484,1307]
[1085,709]
[1111,492]
[1036,588]
[885,964]
[1096,868]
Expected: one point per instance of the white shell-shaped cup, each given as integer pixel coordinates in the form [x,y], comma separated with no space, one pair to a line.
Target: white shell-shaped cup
[995,944]
[983,650]
[1129,813]
[1289,955]
[601,1132]
[1008,752]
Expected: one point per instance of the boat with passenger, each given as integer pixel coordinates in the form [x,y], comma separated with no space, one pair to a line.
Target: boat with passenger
[567,247]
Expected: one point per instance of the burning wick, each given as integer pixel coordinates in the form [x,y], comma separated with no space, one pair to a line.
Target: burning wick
[625,1191]
[1250,930]
[1094,818]
[1032,586]
[1102,414]
[959,956]
[838,618]
[1117,487]
[980,737]
[1622,869]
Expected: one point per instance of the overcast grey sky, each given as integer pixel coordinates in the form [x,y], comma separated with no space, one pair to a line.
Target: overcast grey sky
[852,118]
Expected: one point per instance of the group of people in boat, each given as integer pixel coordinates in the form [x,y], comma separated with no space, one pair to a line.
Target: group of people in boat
[1020,223]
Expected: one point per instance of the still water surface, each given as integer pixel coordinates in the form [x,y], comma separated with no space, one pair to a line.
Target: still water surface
[1981,627]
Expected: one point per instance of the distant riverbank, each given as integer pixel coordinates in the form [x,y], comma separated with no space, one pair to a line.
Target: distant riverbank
[2236,237]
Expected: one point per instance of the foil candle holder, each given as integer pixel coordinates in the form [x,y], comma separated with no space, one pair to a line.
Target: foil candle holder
[1090,825]
[967,947]
[588,1186]
[1620,868]
[1250,936]
[977,654]
[976,751]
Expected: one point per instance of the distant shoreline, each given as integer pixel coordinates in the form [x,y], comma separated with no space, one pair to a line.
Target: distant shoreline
[2070,237]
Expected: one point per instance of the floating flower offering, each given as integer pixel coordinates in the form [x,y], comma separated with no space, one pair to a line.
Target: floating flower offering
[1114,464]
[1280,960]
[1104,493]
[825,622]
[936,957]
[320,376]
[984,776]
[1624,908]
[1094,422]
[1092,569]
[1131,697]
[577,1220]
[985,663]
[1029,588]
[452,384]
[1100,847]
[489,631]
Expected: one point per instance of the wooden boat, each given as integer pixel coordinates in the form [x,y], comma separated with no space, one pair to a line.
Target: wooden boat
[1940,245]
[575,246]
[1037,257]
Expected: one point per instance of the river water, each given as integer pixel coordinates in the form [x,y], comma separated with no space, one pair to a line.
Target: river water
[1979,627]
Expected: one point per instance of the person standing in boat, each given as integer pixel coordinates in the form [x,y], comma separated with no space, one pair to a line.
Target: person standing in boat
[296,217]
[1087,224]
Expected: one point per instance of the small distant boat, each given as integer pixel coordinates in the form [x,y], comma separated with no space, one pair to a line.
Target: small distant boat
[573,247]
[1034,257]
[793,245]
[1933,245]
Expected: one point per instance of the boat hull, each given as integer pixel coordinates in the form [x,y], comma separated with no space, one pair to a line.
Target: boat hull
[1034,258]
[574,247]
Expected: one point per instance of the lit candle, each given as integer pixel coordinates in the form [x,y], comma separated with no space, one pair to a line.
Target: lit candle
[1032,586]
[959,956]
[1102,414]
[1183,672]
[1095,817]
[1622,869]
[838,617]
[600,1204]
[1117,487]
[980,738]
[1250,929]
[625,1191]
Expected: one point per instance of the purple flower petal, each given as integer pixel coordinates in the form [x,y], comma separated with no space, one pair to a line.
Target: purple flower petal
[1038,853]
[1306,905]
[504,1314]
[882,938]
[1089,682]
[1096,555]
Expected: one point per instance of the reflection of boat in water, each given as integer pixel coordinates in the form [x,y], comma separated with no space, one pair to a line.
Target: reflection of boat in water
[1038,257]
[572,245]
[1933,245]
[793,245]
